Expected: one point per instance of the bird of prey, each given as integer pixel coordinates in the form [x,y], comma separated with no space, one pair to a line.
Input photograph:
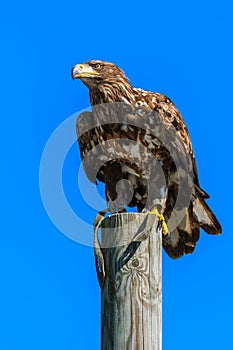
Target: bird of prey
[136,142]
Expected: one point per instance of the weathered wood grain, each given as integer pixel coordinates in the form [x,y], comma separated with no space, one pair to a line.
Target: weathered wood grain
[131,294]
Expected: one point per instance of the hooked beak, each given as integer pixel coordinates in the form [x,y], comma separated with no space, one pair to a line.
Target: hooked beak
[82,71]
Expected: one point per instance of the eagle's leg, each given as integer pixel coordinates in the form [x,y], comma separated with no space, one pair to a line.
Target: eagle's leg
[162,222]
[118,190]
[157,194]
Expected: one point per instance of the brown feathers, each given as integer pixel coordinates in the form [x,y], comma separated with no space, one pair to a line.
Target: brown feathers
[136,142]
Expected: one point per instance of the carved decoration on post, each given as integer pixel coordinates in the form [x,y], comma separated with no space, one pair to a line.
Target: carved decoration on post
[130,260]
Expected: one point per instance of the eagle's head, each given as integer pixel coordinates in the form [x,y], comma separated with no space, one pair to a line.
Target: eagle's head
[106,82]
[95,72]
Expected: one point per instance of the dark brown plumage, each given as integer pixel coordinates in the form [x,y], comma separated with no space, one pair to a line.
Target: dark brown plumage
[136,142]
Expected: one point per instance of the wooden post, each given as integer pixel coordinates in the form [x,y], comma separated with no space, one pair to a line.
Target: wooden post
[131,297]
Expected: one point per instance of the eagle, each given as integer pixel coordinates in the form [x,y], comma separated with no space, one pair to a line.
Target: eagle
[136,142]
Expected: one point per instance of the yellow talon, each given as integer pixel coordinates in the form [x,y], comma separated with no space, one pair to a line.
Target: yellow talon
[161,219]
[164,227]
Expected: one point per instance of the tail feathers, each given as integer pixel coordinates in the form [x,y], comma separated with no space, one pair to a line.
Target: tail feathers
[184,237]
[174,246]
[205,217]
[201,192]
[185,226]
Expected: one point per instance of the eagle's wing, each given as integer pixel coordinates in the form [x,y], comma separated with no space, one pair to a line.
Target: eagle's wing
[185,222]
[88,141]
[186,233]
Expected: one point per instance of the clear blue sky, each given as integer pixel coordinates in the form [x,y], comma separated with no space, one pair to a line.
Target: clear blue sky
[49,296]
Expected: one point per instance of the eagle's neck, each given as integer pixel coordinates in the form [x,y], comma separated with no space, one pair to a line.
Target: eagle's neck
[120,91]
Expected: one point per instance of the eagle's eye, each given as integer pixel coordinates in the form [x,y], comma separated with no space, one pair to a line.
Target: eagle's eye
[96,66]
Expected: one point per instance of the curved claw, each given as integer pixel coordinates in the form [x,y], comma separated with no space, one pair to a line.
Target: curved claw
[162,222]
